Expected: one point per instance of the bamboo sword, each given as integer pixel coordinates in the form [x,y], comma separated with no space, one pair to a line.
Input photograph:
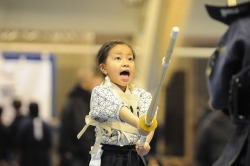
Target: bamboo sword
[148,122]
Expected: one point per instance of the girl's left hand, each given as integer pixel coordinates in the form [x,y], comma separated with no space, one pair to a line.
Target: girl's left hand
[142,150]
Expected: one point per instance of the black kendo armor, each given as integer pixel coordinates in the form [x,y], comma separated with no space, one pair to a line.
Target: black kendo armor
[230,63]
[239,97]
[228,78]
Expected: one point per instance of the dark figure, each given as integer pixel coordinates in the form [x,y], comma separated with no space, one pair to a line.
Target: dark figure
[213,131]
[4,142]
[35,140]
[228,76]
[14,129]
[74,152]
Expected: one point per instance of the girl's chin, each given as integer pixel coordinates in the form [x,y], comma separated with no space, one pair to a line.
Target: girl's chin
[125,78]
[123,85]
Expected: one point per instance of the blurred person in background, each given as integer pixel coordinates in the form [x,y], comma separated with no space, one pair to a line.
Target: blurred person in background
[74,152]
[4,142]
[228,78]
[14,129]
[35,140]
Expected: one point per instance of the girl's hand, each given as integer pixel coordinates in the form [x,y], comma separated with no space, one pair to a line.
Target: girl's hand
[142,150]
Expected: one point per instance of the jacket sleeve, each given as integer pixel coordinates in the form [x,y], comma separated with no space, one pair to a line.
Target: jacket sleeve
[145,100]
[104,104]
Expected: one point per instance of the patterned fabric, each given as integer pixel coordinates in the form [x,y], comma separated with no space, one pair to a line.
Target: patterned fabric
[106,101]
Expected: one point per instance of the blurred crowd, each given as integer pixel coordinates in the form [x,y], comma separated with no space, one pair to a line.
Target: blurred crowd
[30,141]
[27,140]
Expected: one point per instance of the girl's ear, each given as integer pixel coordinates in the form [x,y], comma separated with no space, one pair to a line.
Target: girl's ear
[103,68]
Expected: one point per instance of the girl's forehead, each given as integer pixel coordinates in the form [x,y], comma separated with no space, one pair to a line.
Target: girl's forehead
[121,47]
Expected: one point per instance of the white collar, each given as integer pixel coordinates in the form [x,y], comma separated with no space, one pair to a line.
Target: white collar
[110,84]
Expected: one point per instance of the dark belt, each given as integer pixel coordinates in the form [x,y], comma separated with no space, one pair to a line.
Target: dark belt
[128,150]
[118,149]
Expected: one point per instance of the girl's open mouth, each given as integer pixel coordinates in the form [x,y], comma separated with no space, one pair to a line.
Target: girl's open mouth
[125,75]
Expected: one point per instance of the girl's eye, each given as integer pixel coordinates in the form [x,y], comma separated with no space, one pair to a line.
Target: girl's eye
[117,58]
[131,59]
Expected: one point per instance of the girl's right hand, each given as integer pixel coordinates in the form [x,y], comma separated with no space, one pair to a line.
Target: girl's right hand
[142,150]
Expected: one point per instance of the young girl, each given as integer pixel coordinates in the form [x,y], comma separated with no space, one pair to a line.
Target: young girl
[116,106]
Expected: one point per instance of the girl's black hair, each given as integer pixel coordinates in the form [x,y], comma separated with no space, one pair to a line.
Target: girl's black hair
[104,50]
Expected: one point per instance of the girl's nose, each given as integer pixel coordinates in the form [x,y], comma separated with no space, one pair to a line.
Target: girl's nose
[125,62]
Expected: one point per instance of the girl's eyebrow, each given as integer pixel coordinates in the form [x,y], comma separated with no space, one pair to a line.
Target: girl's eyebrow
[120,53]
